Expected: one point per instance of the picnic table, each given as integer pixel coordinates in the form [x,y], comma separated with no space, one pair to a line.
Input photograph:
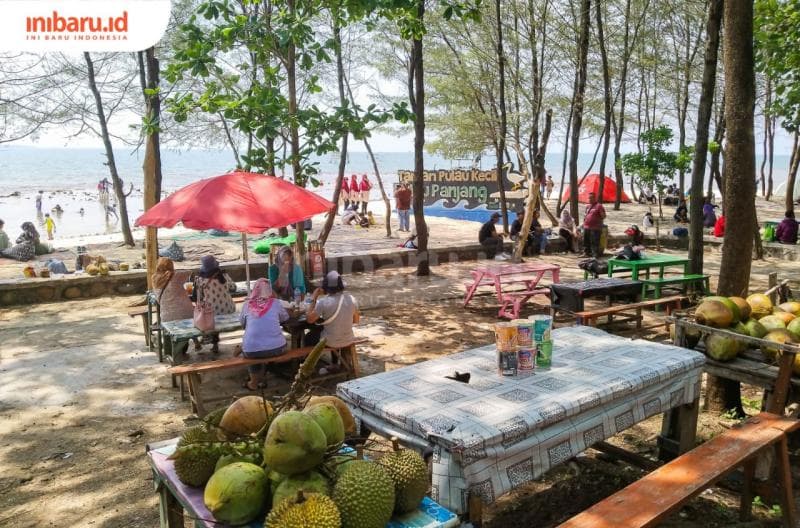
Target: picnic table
[175,498]
[570,296]
[501,276]
[495,433]
[184,330]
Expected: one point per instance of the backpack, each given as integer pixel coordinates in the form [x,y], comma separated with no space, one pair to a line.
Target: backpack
[769,233]
[680,232]
[173,252]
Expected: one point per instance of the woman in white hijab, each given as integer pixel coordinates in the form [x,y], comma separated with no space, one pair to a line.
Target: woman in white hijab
[567,230]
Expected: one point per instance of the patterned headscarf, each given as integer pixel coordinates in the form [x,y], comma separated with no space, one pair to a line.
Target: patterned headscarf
[165,269]
[260,300]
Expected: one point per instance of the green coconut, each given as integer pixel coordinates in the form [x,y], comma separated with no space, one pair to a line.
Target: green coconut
[236,493]
[310,482]
[779,336]
[755,329]
[794,327]
[721,348]
[330,421]
[772,322]
[294,444]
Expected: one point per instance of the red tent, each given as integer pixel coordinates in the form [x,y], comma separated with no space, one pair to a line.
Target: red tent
[590,184]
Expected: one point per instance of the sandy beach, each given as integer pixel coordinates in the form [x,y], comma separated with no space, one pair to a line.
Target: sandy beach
[443,231]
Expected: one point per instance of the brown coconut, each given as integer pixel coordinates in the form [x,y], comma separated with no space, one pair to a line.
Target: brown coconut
[713,313]
[344,411]
[744,307]
[793,307]
[246,416]
[760,305]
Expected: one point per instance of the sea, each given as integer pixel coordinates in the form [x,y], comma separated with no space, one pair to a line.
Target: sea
[68,176]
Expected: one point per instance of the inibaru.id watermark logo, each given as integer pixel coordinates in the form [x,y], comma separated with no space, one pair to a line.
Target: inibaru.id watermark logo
[82,25]
[58,27]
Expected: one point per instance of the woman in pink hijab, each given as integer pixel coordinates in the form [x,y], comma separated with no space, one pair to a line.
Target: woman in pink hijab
[344,195]
[364,188]
[261,317]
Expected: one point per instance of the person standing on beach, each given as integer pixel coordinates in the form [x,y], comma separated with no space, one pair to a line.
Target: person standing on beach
[50,225]
[39,202]
[593,227]
[402,196]
[364,187]
[355,194]
[344,194]
[549,184]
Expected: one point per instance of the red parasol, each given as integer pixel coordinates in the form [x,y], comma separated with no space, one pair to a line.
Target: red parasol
[238,201]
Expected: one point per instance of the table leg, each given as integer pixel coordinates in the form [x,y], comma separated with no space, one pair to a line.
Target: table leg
[678,431]
[746,504]
[556,276]
[477,277]
[785,481]
[169,509]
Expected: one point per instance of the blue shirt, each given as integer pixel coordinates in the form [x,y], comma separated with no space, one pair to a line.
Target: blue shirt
[263,333]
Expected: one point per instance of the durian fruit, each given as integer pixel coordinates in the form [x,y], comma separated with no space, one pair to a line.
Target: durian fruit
[409,472]
[194,464]
[364,495]
[215,416]
[198,434]
[304,511]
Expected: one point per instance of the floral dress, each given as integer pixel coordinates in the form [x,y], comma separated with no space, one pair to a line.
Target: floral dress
[216,293]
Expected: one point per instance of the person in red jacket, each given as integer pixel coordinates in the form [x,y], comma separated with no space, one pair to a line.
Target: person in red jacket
[719,227]
[355,191]
[344,195]
[364,188]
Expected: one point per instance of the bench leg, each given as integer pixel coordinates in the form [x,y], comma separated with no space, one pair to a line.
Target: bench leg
[746,503]
[195,394]
[356,370]
[785,481]
[146,328]
[169,509]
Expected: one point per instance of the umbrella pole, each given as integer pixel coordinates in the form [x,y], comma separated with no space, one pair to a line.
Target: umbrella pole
[246,261]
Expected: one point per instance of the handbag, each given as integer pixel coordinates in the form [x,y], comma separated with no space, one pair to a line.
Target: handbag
[203,317]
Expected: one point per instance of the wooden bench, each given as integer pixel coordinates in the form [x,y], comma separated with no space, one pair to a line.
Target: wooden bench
[589,317]
[649,500]
[516,299]
[348,358]
[682,280]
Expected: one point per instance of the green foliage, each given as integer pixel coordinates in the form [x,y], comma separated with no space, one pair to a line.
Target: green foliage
[777,32]
[655,166]
[238,53]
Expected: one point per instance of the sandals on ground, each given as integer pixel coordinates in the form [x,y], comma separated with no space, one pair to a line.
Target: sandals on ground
[260,385]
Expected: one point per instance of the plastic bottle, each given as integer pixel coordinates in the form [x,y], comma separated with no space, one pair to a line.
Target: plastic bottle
[297,295]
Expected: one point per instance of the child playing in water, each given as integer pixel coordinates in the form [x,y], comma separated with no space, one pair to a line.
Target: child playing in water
[50,225]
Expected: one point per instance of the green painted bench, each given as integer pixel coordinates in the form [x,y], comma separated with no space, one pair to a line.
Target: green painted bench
[655,285]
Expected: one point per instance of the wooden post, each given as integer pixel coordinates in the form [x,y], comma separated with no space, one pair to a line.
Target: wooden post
[152,159]
[771,284]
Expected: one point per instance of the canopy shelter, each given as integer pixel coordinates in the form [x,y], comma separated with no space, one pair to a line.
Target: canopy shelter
[238,201]
[591,184]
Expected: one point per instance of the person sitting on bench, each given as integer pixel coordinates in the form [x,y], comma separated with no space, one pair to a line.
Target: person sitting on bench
[336,312]
[261,318]
[491,240]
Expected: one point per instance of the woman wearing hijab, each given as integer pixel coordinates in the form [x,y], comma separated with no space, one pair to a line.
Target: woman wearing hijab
[261,318]
[344,195]
[213,286]
[337,310]
[286,275]
[174,303]
[364,187]
[567,231]
[25,248]
[355,191]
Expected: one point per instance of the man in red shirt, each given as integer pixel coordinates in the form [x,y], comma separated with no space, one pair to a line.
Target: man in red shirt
[593,227]
[402,196]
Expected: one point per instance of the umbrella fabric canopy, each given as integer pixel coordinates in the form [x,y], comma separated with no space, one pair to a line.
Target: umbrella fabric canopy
[592,184]
[238,201]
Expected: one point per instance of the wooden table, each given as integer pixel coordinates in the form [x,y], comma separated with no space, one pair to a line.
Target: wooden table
[569,296]
[496,432]
[175,498]
[501,276]
[658,261]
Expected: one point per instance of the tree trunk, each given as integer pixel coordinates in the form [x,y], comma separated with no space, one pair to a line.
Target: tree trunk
[607,110]
[740,170]
[418,105]
[719,136]
[559,205]
[384,196]
[294,134]
[343,102]
[701,139]
[112,165]
[765,143]
[791,178]
[771,154]
[619,124]
[501,143]
[152,155]
[577,116]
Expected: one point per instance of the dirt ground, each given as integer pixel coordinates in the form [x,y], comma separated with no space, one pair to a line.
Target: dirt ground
[81,396]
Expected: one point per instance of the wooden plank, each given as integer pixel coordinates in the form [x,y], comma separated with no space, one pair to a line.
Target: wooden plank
[785,482]
[631,306]
[139,310]
[780,391]
[649,500]
[239,361]
[626,456]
